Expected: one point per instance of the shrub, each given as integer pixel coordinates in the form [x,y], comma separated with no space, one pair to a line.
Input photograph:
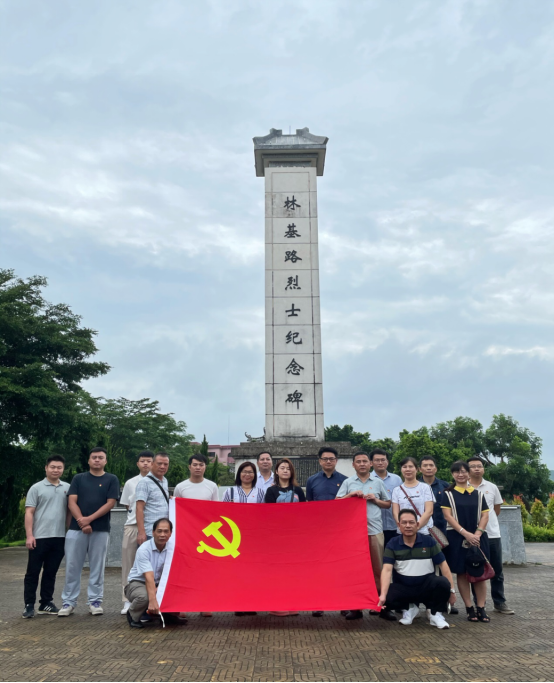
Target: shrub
[550,511]
[537,513]
[537,534]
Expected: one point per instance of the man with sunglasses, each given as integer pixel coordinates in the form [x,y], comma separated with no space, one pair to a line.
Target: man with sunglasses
[325,484]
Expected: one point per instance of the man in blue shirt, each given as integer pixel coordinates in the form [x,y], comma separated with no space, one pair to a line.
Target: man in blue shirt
[325,484]
[380,462]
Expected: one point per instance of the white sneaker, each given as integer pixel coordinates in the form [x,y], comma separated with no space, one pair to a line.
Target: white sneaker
[95,608]
[66,610]
[408,615]
[438,620]
[125,607]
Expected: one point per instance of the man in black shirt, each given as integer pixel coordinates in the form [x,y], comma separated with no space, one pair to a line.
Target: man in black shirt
[91,497]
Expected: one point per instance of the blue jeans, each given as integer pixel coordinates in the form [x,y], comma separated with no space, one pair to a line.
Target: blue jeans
[77,546]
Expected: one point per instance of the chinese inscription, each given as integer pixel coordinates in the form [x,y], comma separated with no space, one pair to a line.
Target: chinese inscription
[293,312]
[294,368]
[292,283]
[295,397]
[292,337]
[291,204]
[292,256]
[292,231]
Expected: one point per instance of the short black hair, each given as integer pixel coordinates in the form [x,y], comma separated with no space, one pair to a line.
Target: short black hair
[475,457]
[243,466]
[162,519]
[409,511]
[427,457]
[55,458]
[263,453]
[98,449]
[360,453]
[198,456]
[378,451]
[327,449]
[162,453]
[145,454]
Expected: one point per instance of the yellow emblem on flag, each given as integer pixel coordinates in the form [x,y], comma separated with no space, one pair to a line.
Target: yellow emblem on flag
[227,547]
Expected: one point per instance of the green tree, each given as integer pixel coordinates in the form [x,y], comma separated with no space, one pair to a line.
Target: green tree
[44,357]
[418,444]
[463,433]
[503,438]
[361,440]
[204,448]
[537,513]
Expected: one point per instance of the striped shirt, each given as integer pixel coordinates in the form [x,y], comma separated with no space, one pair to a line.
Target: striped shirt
[256,495]
[411,565]
[155,504]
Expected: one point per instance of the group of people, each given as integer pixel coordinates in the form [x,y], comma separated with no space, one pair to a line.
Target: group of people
[420,530]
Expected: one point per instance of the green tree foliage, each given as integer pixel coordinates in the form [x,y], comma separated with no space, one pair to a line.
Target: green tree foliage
[462,433]
[44,357]
[204,448]
[538,513]
[550,511]
[418,444]
[357,439]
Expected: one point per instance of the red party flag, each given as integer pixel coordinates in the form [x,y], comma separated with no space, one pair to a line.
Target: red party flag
[229,557]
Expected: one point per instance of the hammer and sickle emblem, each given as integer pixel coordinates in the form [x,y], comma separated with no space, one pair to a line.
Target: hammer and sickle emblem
[227,547]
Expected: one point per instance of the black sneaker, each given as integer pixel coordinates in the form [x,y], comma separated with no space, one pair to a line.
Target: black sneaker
[387,615]
[48,608]
[28,612]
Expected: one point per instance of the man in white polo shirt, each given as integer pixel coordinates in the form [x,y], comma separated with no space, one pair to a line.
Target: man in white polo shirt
[130,530]
[494,500]
[265,466]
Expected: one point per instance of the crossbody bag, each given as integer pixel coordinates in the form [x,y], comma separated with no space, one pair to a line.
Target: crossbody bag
[435,532]
[160,487]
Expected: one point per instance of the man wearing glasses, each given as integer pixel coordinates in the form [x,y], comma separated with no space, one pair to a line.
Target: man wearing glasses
[325,484]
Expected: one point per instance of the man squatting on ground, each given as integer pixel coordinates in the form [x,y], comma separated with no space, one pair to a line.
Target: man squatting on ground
[410,559]
[145,575]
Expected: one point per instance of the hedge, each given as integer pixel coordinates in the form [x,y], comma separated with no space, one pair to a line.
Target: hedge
[538,534]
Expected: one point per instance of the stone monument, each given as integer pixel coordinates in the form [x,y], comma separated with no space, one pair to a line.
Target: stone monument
[294,423]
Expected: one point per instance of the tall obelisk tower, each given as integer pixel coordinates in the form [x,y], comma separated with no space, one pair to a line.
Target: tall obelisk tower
[290,165]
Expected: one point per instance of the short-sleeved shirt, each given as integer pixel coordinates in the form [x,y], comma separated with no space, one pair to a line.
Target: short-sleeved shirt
[375,486]
[390,482]
[438,487]
[148,559]
[236,494]
[493,497]
[202,490]
[50,503]
[277,494]
[420,495]
[321,487]
[412,565]
[261,483]
[92,493]
[128,498]
[469,504]
[156,505]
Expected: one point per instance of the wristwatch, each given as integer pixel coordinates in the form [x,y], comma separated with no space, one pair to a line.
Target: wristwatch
[452,591]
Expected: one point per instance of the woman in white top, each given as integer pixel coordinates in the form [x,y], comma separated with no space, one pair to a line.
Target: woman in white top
[244,490]
[413,493]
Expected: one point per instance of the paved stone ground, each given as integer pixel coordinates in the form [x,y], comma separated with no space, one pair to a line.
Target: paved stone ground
[264,648]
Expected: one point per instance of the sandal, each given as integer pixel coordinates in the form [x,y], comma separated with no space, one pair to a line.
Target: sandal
[471,616]
[482,615]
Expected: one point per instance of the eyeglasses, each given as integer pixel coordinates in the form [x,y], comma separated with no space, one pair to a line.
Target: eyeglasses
[328,459]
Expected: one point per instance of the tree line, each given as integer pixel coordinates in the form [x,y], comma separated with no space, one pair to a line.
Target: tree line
[512,453]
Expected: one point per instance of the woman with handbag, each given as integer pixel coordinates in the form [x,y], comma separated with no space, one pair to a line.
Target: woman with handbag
[466,512]
[413,494]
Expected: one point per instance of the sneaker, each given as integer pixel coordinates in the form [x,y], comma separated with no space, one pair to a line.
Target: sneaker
[95,608]
[408,615]
[66,610]
[387,615]
[438,620]
[503,608]
[28,612]
[48,608]
[145,618]
[125,607]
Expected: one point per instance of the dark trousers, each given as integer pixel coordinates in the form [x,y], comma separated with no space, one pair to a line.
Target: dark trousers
[389,535]
[47,556]
[434,593]
[497,583]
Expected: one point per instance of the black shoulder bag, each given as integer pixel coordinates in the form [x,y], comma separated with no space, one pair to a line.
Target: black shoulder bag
[160,487]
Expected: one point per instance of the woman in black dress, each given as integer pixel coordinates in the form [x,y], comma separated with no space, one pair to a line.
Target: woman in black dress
[467,514]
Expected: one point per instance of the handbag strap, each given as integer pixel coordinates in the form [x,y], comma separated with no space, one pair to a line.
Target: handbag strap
[232,494]
[411,501]
[160,487]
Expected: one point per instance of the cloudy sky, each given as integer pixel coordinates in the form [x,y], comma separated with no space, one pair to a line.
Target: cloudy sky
[127,175]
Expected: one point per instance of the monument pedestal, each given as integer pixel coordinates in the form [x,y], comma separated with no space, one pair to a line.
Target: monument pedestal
[303,454]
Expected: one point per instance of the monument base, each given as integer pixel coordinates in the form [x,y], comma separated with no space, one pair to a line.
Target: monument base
[302,452]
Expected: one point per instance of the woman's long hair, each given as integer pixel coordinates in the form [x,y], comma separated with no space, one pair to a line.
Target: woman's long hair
[292,480]
[243,466]
[458,466]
